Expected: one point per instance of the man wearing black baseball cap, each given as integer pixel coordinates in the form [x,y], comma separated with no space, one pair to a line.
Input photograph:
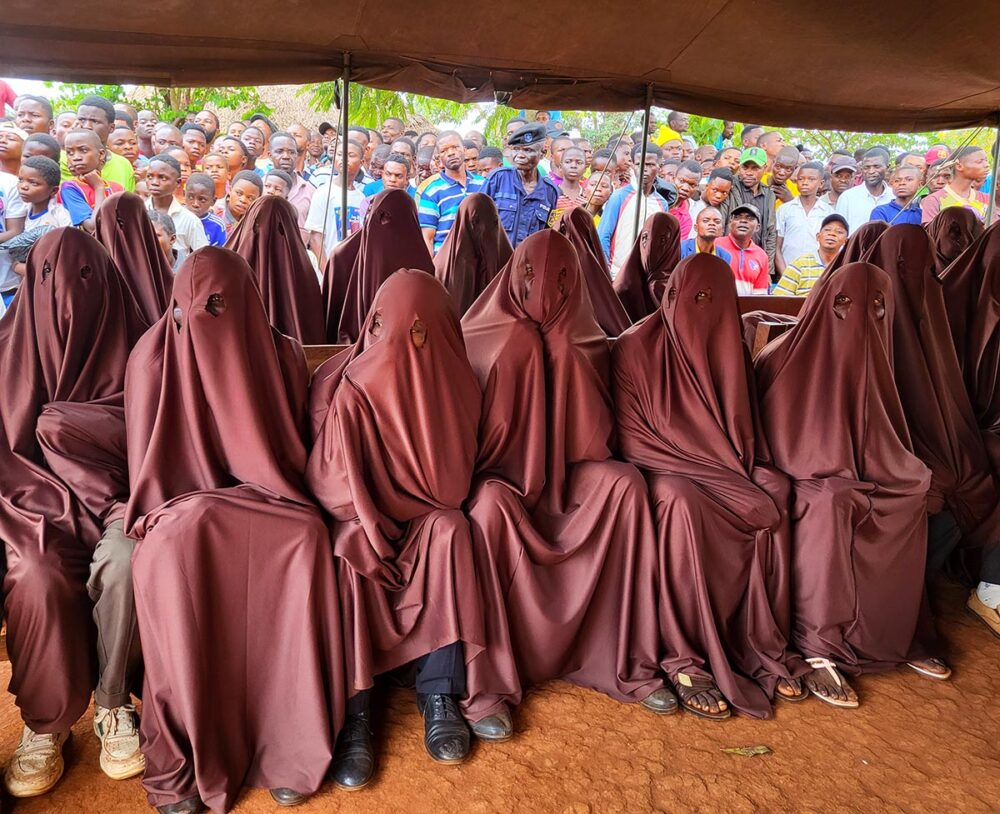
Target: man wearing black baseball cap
[523,197]
[747,260]
[801,275]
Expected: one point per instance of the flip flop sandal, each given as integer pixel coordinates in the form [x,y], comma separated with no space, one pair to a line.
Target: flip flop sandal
[834,673]
[929,673]
[793,699]
[688,686]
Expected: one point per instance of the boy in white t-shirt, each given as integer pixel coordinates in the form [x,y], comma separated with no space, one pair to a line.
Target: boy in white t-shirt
[37,184]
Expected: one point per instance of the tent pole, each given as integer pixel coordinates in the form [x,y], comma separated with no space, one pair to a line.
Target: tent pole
[640,199]
[993,184]
[346,111]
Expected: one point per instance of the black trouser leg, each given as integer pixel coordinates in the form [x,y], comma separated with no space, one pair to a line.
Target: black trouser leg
[442,672]
[943,535]
[989,571]
[359,703]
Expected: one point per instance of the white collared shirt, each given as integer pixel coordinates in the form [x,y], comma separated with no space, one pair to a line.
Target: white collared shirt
[798,230]
[856,204]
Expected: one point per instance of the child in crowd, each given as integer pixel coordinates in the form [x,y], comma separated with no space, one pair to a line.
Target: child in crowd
[162,178]
[216,166]
[199,195]
[598,191]
[87,190]
[278,182]
[38,184]
[489,159]
[571,191]
[180,155]
[41,144]
[166,234]
[246,187]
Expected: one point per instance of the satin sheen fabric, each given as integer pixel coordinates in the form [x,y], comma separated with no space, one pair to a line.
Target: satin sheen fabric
[859,507]
[234,583]
[268,239]
[476,248]
[685,408]
[563,533]
[395,429]
[643,277]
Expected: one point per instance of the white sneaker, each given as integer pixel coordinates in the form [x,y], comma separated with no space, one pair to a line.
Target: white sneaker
[118,731]
[36,765]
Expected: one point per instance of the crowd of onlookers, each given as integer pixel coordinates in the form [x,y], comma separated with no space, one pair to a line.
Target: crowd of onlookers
[774,212]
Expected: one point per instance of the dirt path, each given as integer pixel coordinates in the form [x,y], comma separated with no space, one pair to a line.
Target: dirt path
[914,746]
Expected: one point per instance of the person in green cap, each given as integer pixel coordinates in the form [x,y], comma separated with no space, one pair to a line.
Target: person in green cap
[749,190]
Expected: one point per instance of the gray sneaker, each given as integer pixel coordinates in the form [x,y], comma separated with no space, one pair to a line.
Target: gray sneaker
[118,731]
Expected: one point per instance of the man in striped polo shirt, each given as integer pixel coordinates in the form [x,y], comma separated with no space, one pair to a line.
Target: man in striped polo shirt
[438,201]
[801,275]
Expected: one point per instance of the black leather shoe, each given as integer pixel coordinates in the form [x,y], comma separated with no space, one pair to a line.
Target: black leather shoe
[192,805]
[662,702]
[354,758]
[287,797]
[494,728]
[446,736]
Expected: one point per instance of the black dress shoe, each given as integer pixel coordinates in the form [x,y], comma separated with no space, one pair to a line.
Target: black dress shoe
[354,759]
[288,797]
[446,736]
[192,805]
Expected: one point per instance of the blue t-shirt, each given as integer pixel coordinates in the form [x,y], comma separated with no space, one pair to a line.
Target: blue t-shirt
[892,213]
[689,247]
[215,229]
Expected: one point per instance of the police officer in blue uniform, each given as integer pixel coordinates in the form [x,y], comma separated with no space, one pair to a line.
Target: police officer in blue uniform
[523,197]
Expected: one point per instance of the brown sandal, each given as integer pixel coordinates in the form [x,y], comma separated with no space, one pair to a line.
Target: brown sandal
[688,686]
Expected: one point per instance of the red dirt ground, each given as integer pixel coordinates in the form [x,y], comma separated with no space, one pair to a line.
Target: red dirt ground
[915,745]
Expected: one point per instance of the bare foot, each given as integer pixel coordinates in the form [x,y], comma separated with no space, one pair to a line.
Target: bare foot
[789,687]
[823,683]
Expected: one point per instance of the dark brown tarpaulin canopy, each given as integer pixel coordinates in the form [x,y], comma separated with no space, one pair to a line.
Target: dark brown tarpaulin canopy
[890,66]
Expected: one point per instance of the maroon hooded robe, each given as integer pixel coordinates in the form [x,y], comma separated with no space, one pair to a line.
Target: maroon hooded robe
[929,380]
[642,278]
[563,533]
[233,574]
[389,240]
[972,299]
[476,248]
[952,231]
[578,226]
[268,239]
[123,226]
[395,428]
[63,348]
[834,422]
[684,406]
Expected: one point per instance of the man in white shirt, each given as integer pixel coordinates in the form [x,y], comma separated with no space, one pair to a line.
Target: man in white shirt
[857,203]
[799,220]
[324,219]
[13,211]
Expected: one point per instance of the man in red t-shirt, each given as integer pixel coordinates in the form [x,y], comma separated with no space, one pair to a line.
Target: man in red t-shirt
[747,260]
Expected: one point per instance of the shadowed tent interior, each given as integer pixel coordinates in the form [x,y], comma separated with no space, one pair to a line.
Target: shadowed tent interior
[852,65]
